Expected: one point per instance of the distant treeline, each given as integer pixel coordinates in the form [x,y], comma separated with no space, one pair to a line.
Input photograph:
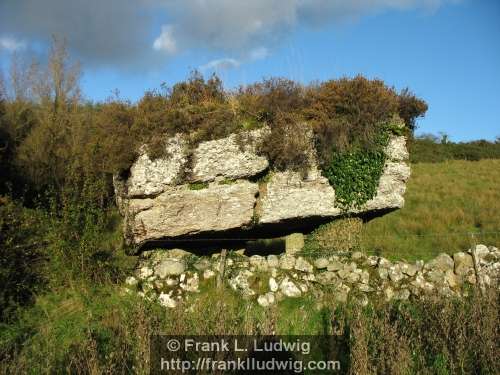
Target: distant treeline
[433,149]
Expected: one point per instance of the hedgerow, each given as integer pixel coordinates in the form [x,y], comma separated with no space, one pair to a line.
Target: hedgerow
[345,118]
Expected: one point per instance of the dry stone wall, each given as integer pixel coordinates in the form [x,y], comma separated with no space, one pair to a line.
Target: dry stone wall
[169,277]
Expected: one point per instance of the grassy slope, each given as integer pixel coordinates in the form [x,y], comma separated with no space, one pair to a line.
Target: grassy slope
[444,201]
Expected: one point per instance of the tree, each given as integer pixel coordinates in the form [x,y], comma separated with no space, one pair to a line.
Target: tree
[52,142]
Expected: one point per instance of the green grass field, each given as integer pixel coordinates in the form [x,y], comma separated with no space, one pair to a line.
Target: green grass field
[444,203]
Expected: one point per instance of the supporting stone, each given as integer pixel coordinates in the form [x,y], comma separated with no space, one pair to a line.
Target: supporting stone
[294,243]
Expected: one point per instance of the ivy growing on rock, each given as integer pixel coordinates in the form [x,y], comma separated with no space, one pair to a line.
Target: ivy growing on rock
[355,173]
[355,176]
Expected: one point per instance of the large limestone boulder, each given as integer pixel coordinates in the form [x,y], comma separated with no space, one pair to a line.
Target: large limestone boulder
[181,211]
[216,189]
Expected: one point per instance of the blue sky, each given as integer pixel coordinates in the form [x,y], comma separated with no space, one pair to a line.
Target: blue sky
[447,52]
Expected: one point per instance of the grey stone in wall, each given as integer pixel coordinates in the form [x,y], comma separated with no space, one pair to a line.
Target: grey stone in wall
[151,177]
[228,158]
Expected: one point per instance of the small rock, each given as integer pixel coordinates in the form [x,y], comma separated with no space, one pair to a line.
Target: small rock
[309,277]
[342,293]
[289,289]
[372,260]
[395,274]
[287,262]
[270,298]
[167,301]
[471,279]
[262,300]
[273,261]
[352,277]
[321,263]
[273,284]
[351,267]
[365,288]
[266,300]
[208,274]
[131,280]
[171,281]
[362,300]
[202,264]
[365,277]
[384,263]
[357,255]
[419,282]
[303,265]
[389,294]
[241,284]
[259,262]
[463,263]
[169,267]
[408,269]
[442,262]
[191,284]
[436,276]
[343,273]
[327,278]
[335,266]
[402,294]
[383,273]
[303,287]
[451,279]
[158,284]
[420,265]
[176,253]
[482,251]
[145,272]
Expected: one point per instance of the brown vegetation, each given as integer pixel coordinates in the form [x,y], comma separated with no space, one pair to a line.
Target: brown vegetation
[47,129]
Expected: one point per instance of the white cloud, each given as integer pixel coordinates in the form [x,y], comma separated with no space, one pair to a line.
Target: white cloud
[166,41]
[237,25]
[258,53]
[221,64]
[119,31]
[11,44]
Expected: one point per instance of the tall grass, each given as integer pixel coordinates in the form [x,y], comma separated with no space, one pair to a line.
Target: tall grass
[95,331]
[444,202]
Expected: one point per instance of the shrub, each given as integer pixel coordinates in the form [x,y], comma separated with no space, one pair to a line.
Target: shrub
[22,260]
[342,235]
[265,100]
[287,146]
[348,113]
[410,108]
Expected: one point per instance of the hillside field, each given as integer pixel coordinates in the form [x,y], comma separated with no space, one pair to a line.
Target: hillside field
[444,203]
